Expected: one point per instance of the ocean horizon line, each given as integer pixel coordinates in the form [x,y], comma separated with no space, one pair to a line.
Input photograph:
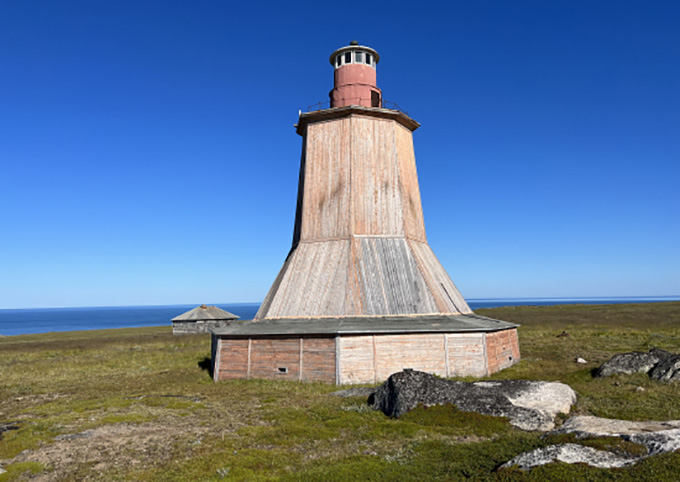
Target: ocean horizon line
[244,303]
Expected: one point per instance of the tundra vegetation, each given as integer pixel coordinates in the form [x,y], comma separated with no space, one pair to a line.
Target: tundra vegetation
[139,404]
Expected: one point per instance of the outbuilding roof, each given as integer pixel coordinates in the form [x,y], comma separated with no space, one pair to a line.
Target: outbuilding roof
[204,312]
[366,325]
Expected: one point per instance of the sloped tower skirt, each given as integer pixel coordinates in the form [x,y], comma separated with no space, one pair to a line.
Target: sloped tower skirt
[362,275]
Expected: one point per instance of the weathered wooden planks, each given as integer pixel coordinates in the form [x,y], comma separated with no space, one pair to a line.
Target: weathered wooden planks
[389,279]
[276,358]
[359,244]
[466,354]
[369,358]
[502,349]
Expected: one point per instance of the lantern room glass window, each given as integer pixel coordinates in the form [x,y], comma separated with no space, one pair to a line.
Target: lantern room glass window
[359,57]
[348,57]
[338,60]
[368,59]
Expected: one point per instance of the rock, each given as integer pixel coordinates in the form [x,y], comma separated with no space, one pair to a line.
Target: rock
[667,370]
[640,389]
[6,427]
[2,471]
[564,334]
[661,442]
[530,405]
[632,362]
[578,359]
[588,426]
[657,437]
[569,454]
[354,392]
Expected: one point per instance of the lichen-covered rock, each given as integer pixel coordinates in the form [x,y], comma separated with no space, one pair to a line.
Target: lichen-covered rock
[569,454]
[656,437]
[529,405]
[660,442]
[667,370]
[589,426]
[632,362]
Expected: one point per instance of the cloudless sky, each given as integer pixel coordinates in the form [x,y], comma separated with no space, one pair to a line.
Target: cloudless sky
[148,155]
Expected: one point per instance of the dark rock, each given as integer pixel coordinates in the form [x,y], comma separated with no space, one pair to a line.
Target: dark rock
[6,427]
[667,370]
[632,362]
[529,405]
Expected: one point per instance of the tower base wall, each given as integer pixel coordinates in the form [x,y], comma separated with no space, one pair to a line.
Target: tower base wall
[368,358]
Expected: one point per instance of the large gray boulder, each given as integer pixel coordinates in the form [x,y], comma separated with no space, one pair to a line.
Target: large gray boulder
[667,370]
[529,405]
[632,362]
[569,454]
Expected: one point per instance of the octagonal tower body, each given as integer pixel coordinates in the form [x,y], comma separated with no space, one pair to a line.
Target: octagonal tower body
[359,244]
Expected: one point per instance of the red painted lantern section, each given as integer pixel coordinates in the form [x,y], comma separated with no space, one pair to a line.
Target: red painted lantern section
[355,77]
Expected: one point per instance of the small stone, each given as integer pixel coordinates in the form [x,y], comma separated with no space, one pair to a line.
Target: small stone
[578,359]
[2,471]
[640,389]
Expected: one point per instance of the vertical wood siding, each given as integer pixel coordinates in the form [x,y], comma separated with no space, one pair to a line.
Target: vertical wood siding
[376,197]
[314,283]
[325,207]
[389,278]
[414,226]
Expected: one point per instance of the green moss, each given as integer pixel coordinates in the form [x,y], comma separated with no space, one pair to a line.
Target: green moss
[16,471]
[448,419]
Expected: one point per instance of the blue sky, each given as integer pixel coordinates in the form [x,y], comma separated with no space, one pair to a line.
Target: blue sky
[148,156]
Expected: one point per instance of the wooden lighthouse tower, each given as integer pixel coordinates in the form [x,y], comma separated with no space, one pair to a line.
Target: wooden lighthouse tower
[361,295]
[359,244]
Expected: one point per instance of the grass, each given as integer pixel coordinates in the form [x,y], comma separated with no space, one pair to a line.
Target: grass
[138,404]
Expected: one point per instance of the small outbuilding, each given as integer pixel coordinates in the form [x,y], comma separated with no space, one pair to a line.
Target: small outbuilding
[201,320]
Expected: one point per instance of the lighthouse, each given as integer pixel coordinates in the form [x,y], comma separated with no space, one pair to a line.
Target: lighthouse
[360,295]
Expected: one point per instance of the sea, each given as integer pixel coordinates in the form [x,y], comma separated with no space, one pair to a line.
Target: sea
[43,320]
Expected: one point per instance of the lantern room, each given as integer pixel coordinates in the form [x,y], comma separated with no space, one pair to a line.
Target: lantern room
[355,77]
